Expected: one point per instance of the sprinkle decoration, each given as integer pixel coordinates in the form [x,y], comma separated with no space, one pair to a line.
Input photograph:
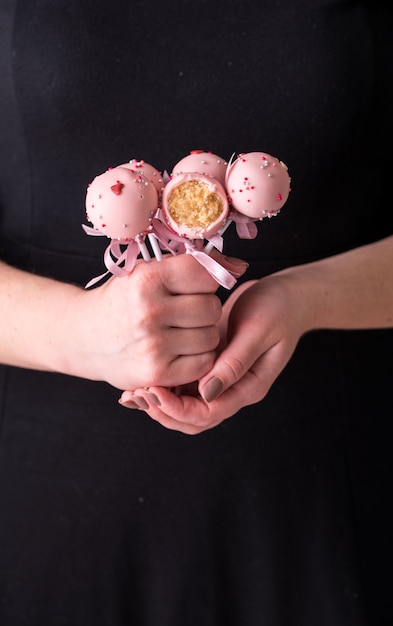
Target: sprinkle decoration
[116,189]
[253,186]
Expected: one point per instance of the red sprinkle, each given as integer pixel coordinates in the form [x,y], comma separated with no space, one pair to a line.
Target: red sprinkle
[117,188]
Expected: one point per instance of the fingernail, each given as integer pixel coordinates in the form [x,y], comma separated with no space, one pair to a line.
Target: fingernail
[235,261]
[212,389]
[237,267]
[153,398]
[128,404]
[141,403]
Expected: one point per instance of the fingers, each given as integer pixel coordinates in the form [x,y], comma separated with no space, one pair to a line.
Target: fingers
[157,326]
[184,275]
[183,369]
[192,311]
[192,341]
[171,410]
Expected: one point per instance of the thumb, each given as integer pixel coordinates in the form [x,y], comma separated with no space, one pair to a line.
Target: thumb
[231,365]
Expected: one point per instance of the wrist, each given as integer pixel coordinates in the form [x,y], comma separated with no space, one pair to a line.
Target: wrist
[304,293]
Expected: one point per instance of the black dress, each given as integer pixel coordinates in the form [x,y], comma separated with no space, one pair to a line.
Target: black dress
[279,516]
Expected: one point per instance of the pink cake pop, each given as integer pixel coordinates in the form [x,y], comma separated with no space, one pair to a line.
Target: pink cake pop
[148,171]
[155,177]
[194,205]
[203,162]
[258,184]
[121,205]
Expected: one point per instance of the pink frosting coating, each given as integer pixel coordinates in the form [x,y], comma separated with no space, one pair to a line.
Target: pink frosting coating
[121,203]
[205,163]
[258,184]
[211,190]
[148,171]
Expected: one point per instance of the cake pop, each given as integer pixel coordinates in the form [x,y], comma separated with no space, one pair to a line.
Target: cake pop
[258,186]
[206,163]
[148,171]
[156,177]
[121,204]
[194,207]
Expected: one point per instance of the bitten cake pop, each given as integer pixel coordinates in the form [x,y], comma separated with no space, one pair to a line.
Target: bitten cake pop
[194,208]
[258,184]
[194,205]
[203,162]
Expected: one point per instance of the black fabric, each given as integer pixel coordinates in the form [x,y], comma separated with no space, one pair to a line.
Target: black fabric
[280,516]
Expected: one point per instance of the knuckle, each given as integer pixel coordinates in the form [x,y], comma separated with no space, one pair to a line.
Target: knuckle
[236,368]
[213,338]
[152,346]
[205,363]
[215,307]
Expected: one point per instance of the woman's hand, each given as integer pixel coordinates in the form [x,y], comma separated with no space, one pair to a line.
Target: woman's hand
[261,324]
[156,326]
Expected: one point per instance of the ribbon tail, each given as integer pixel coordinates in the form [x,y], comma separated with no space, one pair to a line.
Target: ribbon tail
[170,241]
[246,227]
[219,273]
[95,280]
[94,232]
[246,230]
[129,257]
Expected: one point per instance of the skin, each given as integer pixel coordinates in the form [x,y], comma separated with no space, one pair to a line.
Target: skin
[177,332]
[261,325]
[156,326]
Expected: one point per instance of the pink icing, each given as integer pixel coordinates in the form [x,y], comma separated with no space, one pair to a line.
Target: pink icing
[258,184]
[148,171]
[205,163]
[120,203]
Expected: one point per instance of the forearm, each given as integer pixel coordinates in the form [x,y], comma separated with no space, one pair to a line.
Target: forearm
[32,320]
[352,290]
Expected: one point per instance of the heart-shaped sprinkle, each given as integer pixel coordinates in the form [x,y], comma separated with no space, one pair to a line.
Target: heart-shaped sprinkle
[117,188]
